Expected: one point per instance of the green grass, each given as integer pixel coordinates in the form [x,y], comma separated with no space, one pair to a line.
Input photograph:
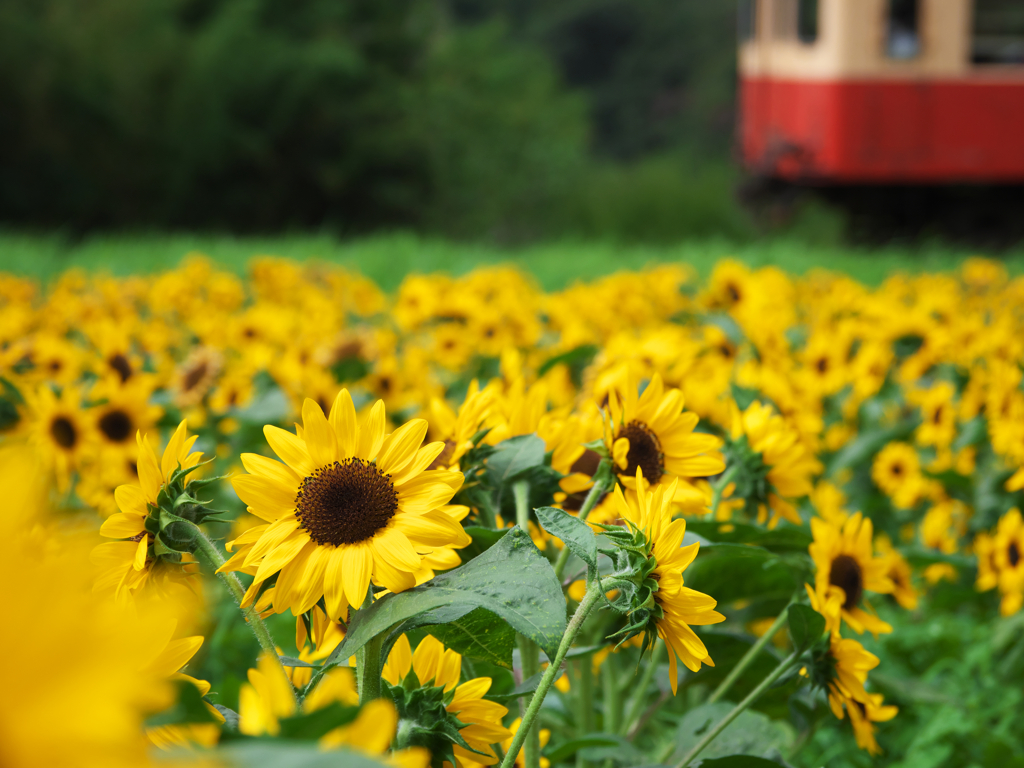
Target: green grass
[386,258]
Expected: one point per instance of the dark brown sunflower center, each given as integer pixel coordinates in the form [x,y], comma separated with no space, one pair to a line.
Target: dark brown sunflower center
[116,426]
[588,461]
[644,451]
[63,431]
[846,574]
[345,502]
[734,292]
[822,365]
[1013,554]
[897,469]
[120,364]
[193,376]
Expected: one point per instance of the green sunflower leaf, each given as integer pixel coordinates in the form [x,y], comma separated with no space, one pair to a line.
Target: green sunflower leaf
[479,635]
[572,531]
[806,626]
[514,456]
[512,580]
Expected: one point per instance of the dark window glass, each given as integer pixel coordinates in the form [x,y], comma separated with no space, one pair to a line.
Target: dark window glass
[747,19]
[807,21]
[998,33]
[903,37]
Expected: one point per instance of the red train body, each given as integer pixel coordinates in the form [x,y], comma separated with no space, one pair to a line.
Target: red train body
[883,91]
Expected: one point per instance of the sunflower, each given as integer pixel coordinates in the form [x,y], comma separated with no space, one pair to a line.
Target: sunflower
[60,430]
[651,432]
[1008,561]
[773,466]
[897,472]
[349,506]
[436,666]
[650,512]
[842,671]
[195,377]
[846,569]
[128,565]
[125,410]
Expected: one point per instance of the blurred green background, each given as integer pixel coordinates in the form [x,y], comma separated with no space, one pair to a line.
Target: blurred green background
[510,120]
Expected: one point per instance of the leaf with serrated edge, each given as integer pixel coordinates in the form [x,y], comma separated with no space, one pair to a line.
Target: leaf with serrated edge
[511,579]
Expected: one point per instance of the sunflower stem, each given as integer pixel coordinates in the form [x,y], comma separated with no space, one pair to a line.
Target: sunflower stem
[250,615]
[738,709]
[529,653]
[594,592]
[368,666]
[749,657]
[637,707]
[584,704]
[595,494]
[726,478]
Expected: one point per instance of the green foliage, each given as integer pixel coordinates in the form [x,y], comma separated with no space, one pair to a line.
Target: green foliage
[532,603]
[258,114]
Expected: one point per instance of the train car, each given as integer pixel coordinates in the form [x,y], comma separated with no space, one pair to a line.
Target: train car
[882,92]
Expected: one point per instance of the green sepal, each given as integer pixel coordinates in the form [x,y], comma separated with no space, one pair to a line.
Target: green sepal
[424,720]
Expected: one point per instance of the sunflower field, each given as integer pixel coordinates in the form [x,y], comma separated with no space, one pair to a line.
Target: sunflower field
[289,520]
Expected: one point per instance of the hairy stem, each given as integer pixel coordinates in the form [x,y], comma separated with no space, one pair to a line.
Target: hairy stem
[533,709]
[596,493]
[738,709]
[637,707]
[529,653]
[748,657]
[251,616]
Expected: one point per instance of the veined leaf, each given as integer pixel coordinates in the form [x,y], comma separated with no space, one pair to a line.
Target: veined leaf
[479,635]
[511,580]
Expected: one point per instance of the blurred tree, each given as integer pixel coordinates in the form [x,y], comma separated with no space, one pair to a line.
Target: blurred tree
[261,114]
[657,75]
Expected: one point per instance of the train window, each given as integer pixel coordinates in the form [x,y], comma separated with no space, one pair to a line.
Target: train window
[998,34]
[903,38]
[747,20]
[807,21]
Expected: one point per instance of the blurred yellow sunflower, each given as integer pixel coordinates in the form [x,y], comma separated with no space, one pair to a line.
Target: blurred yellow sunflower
[772,451]
[846,569]
[652,433]
[60,430]
[849,666]
[349,506]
